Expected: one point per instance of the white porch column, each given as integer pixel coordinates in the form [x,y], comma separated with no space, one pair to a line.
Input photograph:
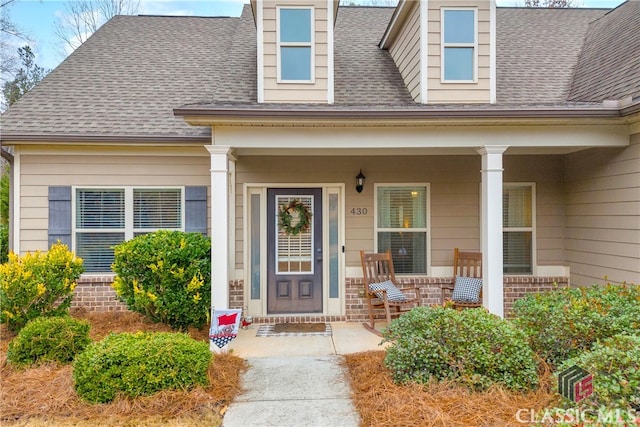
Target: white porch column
[491,229]
[221,166]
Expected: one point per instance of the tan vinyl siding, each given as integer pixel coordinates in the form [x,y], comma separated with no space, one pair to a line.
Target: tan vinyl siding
[603,214]
[546,172]
[439,92]
[454,196]
[405,51]
[315,92]
[101,168]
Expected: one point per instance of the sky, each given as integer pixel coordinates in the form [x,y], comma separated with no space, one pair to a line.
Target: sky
[36,19]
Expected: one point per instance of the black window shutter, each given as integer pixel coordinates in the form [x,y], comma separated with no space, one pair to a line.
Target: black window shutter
[195,209]
[60,215]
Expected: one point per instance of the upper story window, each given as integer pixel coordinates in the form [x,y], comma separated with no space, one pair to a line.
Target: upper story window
[295,44]
[459,45]
[401,225]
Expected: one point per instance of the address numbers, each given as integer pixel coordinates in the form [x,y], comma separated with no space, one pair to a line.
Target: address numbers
[359,211]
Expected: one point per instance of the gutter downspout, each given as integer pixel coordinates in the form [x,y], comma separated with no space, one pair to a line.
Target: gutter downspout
[9,158]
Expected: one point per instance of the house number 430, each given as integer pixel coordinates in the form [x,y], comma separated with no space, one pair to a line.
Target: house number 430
[359,211]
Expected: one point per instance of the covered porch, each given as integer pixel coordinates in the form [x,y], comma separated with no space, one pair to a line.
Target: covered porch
[462,169]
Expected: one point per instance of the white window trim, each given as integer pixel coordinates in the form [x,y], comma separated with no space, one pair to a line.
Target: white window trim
[129,230]
[474,45]
[310,44]
[426,229]
[532,229]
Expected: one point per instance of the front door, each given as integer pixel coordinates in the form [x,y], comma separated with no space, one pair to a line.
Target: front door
[294,253]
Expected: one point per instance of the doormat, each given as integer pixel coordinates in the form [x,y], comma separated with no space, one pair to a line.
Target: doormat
[295,330]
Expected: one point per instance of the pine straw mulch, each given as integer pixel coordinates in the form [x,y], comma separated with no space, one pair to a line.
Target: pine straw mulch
[45,396]
[381,402]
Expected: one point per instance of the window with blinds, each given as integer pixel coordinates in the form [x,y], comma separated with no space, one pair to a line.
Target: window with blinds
[517,223]
[401,225]
[157,209]
[106,217]
[100,223]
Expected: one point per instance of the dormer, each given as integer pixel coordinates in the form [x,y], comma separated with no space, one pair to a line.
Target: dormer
[445,49]
[295,50]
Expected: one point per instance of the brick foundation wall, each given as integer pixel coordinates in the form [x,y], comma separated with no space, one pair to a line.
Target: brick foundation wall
[236,294]
[516,287]
[357,310]
[96,294]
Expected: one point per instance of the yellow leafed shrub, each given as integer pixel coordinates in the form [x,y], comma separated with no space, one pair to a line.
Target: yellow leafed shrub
[37,284]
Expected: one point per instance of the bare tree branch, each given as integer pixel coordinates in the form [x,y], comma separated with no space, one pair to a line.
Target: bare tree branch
[9,32]
[83,18]
[550,3]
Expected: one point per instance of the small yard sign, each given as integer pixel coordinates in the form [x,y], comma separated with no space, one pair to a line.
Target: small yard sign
[224,326]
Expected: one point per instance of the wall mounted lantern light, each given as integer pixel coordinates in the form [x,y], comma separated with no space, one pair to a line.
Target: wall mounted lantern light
[360,182]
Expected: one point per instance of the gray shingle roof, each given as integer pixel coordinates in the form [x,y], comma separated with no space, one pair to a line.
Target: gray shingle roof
[365,74]
[609,64]
[537,49]
[127,78]
[125,81]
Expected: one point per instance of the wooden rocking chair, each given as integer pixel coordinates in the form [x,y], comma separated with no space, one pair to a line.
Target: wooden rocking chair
[466,265]
[381,289]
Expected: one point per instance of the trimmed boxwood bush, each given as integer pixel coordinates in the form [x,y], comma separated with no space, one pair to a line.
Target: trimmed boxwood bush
[471,347]
[37,284]
[166,276]
[564,322]
[48,339]
[615,365]
[140,364]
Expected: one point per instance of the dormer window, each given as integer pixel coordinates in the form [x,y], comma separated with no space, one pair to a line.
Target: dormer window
[459,45]
[295,45]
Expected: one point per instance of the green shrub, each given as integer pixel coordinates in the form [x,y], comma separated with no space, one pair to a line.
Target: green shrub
[4,216]
[37,284]
[166,276]
[140,364]
[471,347]
[4,243]
[49,339]
[564,322]
[615,365]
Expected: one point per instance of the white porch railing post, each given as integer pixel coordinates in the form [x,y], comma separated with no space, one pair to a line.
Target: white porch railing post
[221,158]
[491,229]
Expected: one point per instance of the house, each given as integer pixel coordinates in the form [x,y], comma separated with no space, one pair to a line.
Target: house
[511,131]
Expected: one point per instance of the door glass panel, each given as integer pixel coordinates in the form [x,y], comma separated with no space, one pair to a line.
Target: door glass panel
[255,246]
[334,251]
[294,253]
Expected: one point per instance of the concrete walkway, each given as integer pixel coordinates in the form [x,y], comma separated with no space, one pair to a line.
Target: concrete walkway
[297,381]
